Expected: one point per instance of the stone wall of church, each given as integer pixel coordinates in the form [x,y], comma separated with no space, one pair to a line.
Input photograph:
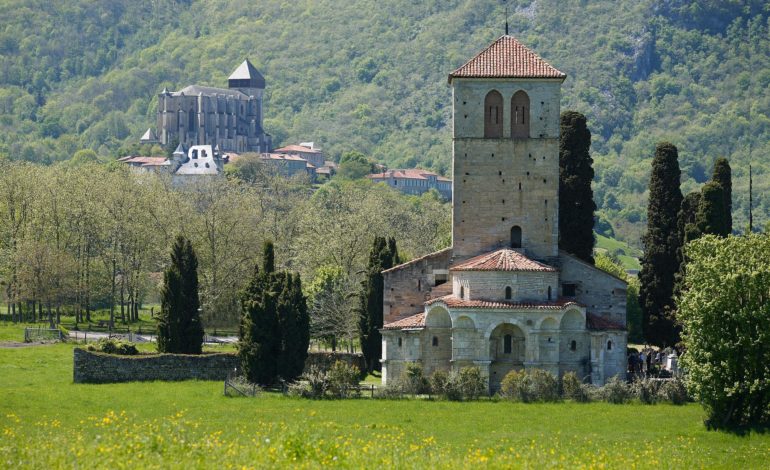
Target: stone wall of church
[499,183]
[603,294]
[490,285]
[408,286]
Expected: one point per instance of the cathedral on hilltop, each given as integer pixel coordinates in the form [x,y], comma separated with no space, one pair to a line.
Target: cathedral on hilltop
[228,119]
[504,297]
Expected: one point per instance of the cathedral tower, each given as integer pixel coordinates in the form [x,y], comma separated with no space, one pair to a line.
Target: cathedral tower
[506,152]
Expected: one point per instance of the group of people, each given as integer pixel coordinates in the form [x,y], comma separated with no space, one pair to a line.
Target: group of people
[648,361]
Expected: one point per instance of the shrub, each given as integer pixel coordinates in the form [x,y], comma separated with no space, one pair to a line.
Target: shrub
[438,382]
[343,380]
[616,391]
[313,384]
[114,346]
[530,386]
[646,390]
[470,383]
[393,390]
[412,379]
[674,391]
[573,389]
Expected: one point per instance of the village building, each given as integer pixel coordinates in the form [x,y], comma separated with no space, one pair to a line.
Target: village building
[185,165]
[289,165]
[504,297]
[415,181]
[230,118]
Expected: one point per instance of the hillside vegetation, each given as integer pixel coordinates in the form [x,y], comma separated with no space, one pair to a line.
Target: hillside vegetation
[370,76]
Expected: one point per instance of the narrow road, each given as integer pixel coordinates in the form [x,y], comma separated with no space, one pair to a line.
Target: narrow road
[142,338]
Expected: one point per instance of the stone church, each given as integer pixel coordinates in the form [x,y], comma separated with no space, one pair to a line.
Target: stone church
[228,118]
[504,297]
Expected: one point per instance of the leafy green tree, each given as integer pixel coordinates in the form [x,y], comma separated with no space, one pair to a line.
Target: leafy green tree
[576,203]
[661,245]
[382,257]
[83,157]
[725,313]
[354,165]
[179,326]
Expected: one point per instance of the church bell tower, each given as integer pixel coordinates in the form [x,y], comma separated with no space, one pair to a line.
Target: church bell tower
[506,152]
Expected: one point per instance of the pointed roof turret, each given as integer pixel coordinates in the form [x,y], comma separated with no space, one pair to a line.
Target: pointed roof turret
[246,76]
[507,58]
[179,150]
[149,136]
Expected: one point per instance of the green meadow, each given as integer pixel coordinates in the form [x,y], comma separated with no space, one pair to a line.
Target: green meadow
[46,421]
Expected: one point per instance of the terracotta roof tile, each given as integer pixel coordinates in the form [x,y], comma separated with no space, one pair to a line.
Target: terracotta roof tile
[296,148]
[452,301]
[409,173]
[595,322]
[415,321]
[143,160]
[506,58]
[505,259]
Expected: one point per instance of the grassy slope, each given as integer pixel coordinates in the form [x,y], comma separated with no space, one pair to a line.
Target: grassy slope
[192,424]
[628,255]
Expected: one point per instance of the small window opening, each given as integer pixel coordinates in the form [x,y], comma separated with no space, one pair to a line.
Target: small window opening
[508,293]
[435,341]
[507,340]
[549,292]
[419,285]
[195,154]
[515,236]
[399,342]
[573,345]
[462,292]
[609,345]
[569,290]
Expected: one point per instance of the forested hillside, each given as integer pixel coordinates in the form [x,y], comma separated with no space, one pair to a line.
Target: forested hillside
[371,76]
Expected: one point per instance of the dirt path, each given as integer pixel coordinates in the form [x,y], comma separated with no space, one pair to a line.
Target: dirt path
[16,344]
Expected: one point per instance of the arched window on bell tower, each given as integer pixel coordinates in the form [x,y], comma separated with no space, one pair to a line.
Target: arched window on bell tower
[515,236]
[493,115]
[520,115]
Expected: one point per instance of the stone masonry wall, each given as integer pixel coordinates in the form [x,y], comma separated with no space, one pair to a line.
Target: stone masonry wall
[490,285]
[499,183]
[97,367]
[601,293]
[408,286]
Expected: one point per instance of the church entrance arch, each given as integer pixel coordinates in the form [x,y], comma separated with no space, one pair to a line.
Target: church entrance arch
[506,351]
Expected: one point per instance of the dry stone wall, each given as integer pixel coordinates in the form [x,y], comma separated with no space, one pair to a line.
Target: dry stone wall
[97,367]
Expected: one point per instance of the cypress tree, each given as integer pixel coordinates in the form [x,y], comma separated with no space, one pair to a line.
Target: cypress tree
[723,177]
[259,343]
[295,328]
[576,203]
[381,257]
[179,327]
[268,258]
[687,230]
[711,217]
[660,262]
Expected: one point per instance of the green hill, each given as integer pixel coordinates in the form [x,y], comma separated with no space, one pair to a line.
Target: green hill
[371,76]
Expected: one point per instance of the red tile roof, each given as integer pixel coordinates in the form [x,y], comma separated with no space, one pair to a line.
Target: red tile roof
[452,301]
[409,173]
[506,58]
[143,160]
[595,322]
[296,148]
[415,321]
[505,259]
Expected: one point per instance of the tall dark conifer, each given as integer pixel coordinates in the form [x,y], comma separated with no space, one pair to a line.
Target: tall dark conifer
[660,262]
[723,177]
[179,326]
[711,217]
[383,255]
[576,203]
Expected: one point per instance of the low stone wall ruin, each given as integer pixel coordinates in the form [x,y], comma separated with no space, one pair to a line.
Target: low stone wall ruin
[97,367]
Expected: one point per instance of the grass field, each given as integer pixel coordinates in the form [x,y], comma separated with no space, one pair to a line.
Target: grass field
[628,255]
[46,421]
